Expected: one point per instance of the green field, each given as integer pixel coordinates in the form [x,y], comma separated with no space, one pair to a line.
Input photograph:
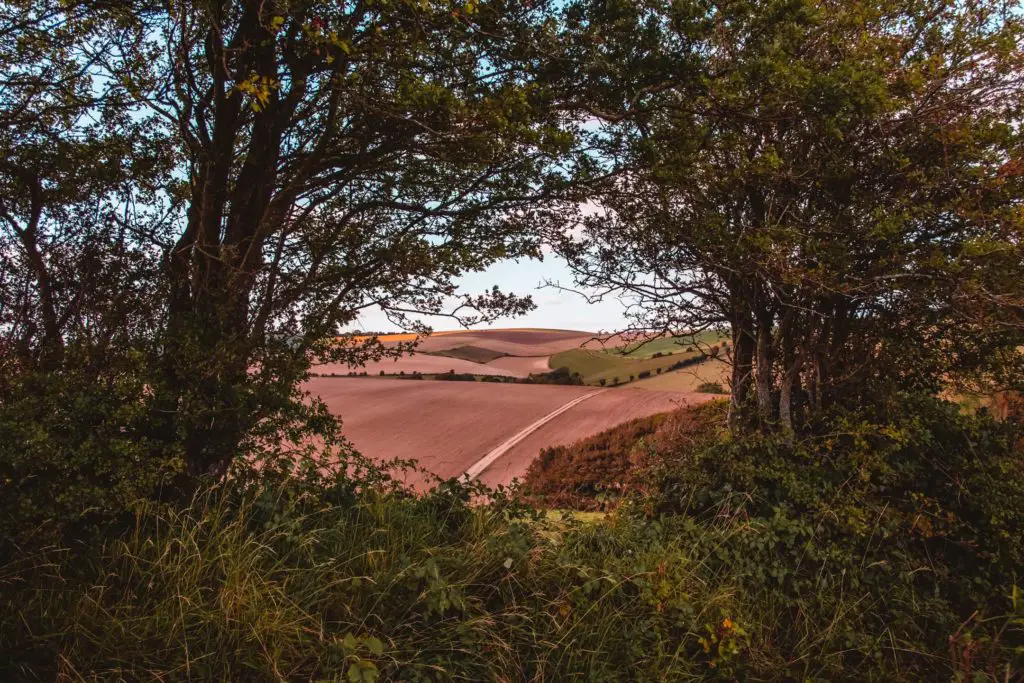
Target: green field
[689,378]
[672,345]
[609,365]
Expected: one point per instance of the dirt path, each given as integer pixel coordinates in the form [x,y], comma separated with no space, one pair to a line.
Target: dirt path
[483,463]
[492,430]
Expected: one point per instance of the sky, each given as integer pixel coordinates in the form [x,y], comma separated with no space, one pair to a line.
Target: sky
[555,308]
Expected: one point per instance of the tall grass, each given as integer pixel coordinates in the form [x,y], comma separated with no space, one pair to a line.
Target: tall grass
[271,587]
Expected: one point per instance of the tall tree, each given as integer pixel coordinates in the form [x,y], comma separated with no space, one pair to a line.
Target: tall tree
[841,190]
[225,184]
[335,155]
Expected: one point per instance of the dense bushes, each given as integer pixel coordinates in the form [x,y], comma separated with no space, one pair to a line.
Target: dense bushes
[894,534]
[596,471]
[76,449]
[452,376]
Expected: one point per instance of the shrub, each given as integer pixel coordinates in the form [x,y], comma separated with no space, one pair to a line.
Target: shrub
[603,381]
[711,388]
[452,376]
[590,473]
[904,521]
[76,451]
[644,375]
[561,375]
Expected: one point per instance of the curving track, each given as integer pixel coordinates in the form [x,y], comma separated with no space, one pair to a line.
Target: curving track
[493,431]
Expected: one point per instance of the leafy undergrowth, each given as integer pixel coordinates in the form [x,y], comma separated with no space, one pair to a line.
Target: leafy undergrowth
[595,472]
[879,551]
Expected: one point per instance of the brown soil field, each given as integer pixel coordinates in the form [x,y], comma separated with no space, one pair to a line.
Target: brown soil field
[419,362]
[446,426]
[449,426]
[522,364]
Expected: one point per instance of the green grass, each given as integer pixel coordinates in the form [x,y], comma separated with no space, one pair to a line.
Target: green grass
[671,344]
[597,365]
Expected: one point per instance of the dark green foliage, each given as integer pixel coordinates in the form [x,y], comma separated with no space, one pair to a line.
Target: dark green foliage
[711,388]
[903,522]
[75,451]
[560,375]
[835,183]
[452,376]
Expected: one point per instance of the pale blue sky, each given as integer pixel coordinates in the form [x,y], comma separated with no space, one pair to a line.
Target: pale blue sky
[555,308]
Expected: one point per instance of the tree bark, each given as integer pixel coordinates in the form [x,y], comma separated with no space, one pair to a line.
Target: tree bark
[763,370]
[742,369]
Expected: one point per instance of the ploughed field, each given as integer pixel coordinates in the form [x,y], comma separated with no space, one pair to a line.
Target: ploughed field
[598,360]
[504,352]
[450,427]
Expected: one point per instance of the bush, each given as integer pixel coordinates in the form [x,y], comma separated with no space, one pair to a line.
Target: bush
[452,376]
[644,375]
[905,523]
[711,388]
[76,451]
[561,375]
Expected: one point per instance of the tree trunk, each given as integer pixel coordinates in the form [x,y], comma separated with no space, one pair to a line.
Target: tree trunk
[742,368]
[791,372]
[763,368]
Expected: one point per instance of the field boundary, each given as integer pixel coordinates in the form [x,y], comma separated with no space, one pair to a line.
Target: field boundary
[477,468]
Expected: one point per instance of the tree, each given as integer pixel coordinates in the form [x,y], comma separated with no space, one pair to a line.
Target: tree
[839,190]
[75,169]
[327,157]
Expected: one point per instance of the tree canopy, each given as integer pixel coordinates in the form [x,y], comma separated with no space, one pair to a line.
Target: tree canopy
[840,187]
